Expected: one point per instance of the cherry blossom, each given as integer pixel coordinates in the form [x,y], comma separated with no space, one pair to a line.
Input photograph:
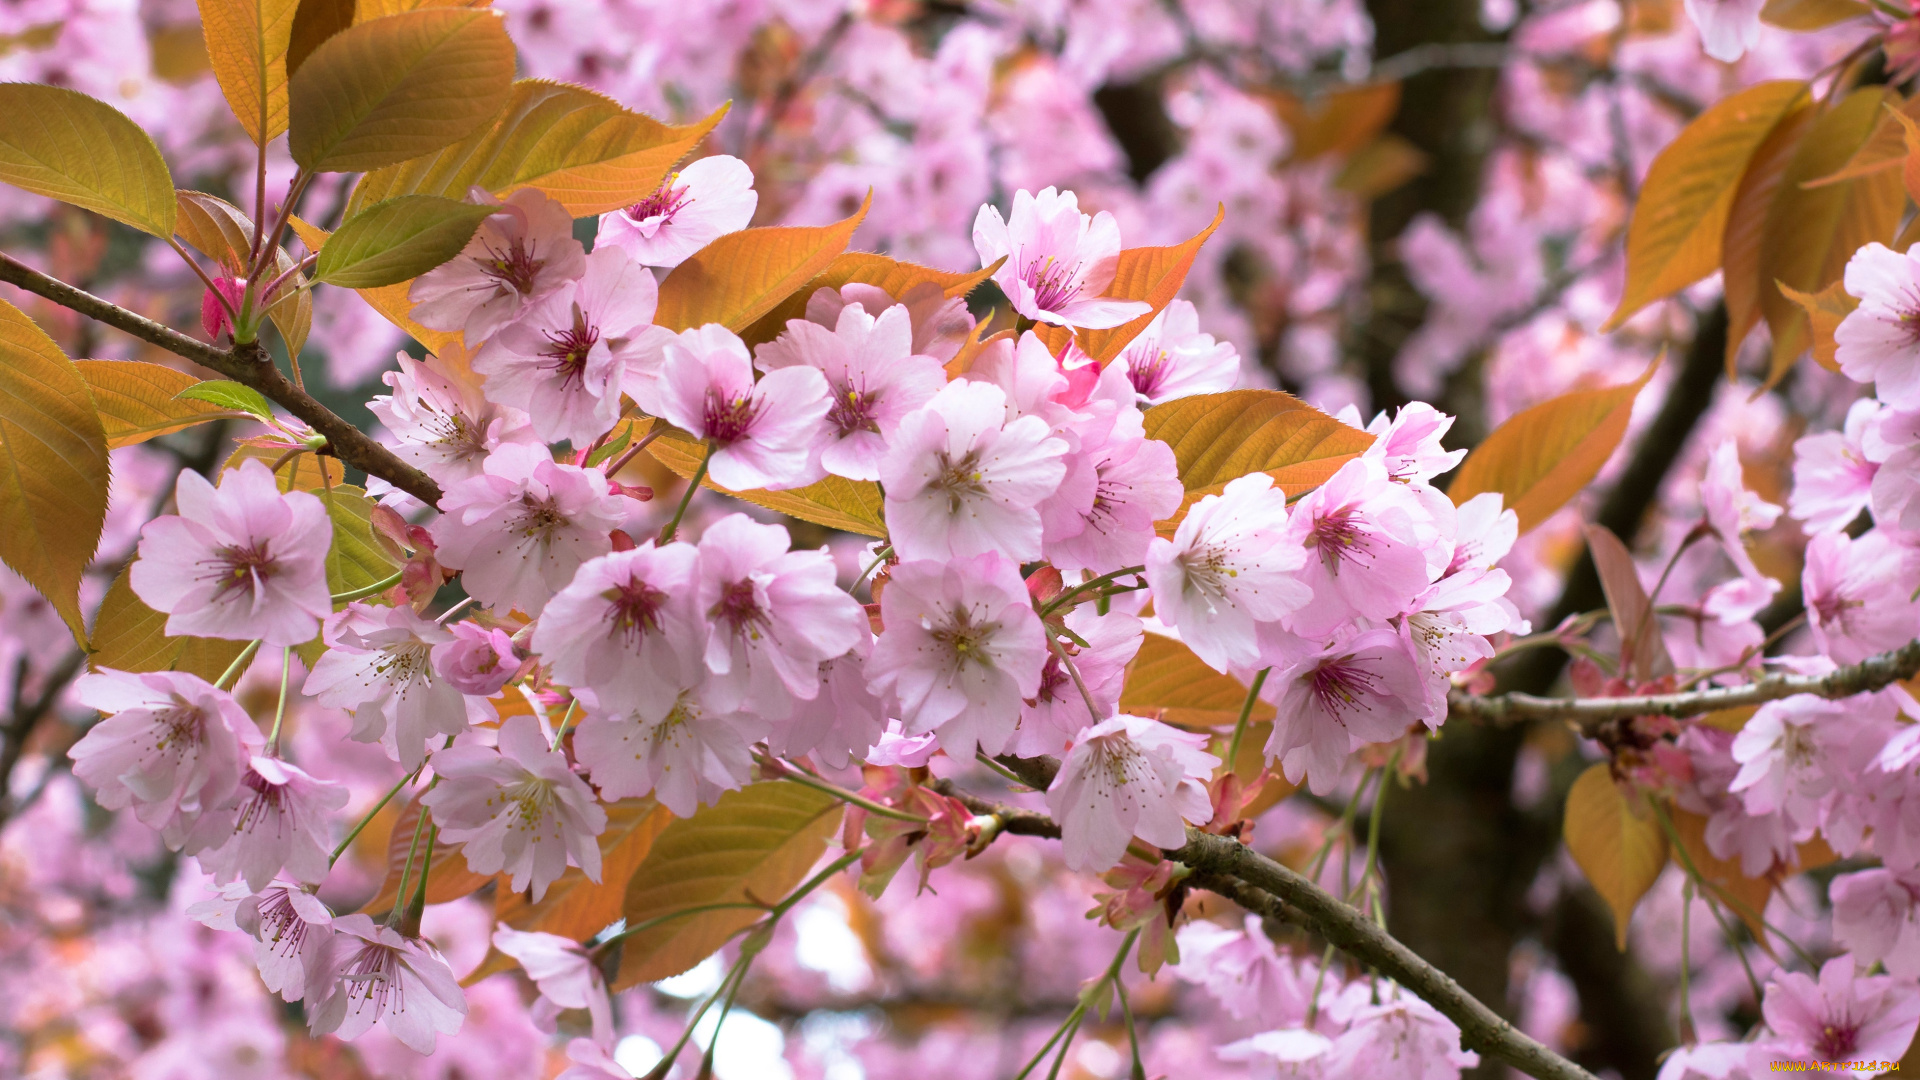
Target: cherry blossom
[441,422]
[274,825]
[689,210]
[1850,607]
[1891,444]
[517,258]
[1408,447]
[1173,359]
[874,379]
[1728,28]
[962,648]
[1832,475]
[517,808]
[565,976]
[521,529]
[1129,777]
[1402,1032]
[1229,567]
[1875,916]
[380,977]
[1135,482]
[242,561]
[1792,750]
[1244,972]
[564,359]
[592,1062]
[1334,699]
[685,755]
[941,324]
[1366,555]
[625,627]
[765,434]
[1051,719]
[1450,631]
[1732,512]
[291,931]
[1059,260]
[1878,342]
[962,480]
[479,661]
[379,666]
[1844,1016]
[843,720]
[171,747]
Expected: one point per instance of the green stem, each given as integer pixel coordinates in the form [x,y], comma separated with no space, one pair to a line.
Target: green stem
[239,664]
[1003,772]
[1686,963]
[368,817]
[369,590]
[806,780]
[1086,695]
[1069,596]
[693,485]
[406,868]
[410,922]
[879,559]
[566,722]
[1246,713]
[1743,909]
[1072,1023]
[280,710]
[1138,1071]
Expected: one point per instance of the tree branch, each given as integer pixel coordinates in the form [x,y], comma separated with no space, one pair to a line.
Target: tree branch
[247,364]
[1870,674]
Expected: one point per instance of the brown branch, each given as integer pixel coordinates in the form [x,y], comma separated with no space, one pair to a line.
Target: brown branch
[247,364]
[1870,674]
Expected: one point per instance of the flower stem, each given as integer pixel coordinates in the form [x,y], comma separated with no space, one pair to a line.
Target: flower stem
[369,815]
[693,485]
[1071,1025]
[879,559]
[239,664]
[566,722]
[1093,707]
[280,710]
[1069,596]
[1246,712]
[406,869]
[806,779]
[369,590]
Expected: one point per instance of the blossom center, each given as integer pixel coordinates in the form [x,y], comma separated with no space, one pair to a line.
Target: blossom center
[729,418]
[960,480]
[528,804]
[636,608]
[963,640]
[265,804]
[1338,536]
[515,268]
[852,410]
[370,979]
[665,202]
[281,928]
[739,608]
[568,349]
[539,519]
[1053,283]
[1836,1041]
[241,569]
[1146,372]
[1341,686]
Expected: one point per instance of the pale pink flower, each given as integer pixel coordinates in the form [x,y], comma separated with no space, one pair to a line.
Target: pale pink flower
[291,931]
[564,360]
[1333,700]
[1365,555]
[689,210]
[172,747]
[1483,533]
[1051,718]
[1241,969]
[1129,777]
[1449,632]
[962,480]
[518,257]
[1401,1032]
[1228,568]
[874,379]
[1728,28]
[686,755]
[520,530]
[276,821]
[592,1062]
[442,423]
[479,661]
[1844,1016]
[1408,448]
[842,720]
[1879,342]
[773,616]
[1891,443]
[1833,477]
[1059,261]
[517,808]
[1172,359]
[1876,916]
[379,666]
[1136,482]
[1299,1051]
[941,324]
[1859,595]
[764,434]
[962,648]
[565,976]
[240,561]
[1793,751]
[625,627]
[381,977]
[1733,511]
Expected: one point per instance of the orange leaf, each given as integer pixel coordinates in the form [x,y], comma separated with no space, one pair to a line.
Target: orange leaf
[1612,834]
[1167,679]
[136,400]
[1217,438]
[1643,652]
[1825,309]
[1884,149]
[1340,123]
[447,875]
[743,275]
[1543,456]
[1747,222]
[1150,274]
[890,275]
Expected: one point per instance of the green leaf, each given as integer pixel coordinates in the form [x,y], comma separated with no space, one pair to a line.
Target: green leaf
[579,147]
[356,559]
[754,845]
[854,506]
[247,45]
[53,466]
[138,401]
[399,87]
[1217,438]
[741,276]
[65,145]
[229,395]
[1613,836]
[130,636]
[396,240]
[612,446]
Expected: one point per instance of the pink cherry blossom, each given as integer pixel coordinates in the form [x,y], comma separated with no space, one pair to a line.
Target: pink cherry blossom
[1408,447]
[1300,1052]
[1728,28]
[1420,1043]
[842,720]
[1733,511]
[941,324]
[171,747]
[1844,1016]
[1792,752]
[565,976]
[1891,444]
[380,977]
[240,561]
[1877,918]
[441,422]
[291,931]
[873,380]
[962,480]
[962,647]
[765,434]
[689,210]
[1832,475]
[276,821]
[773,616]
[1241,969]
[1129,777]
[1172,358]
[517,808]
[1450,631]
[685,755]
[1136,482]
[592,1062]
[625,627]
[1059,260]
[520,530]
[1859,595]
[478,661]
[1335,699]
[564,359]
[519,256]
[1365,554]
[1051,718]
[1879,343]
[379,666]
[1229,567]
[1483,533]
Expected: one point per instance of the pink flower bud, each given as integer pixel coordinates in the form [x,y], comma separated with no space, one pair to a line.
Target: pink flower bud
[478,661]
[213,314]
